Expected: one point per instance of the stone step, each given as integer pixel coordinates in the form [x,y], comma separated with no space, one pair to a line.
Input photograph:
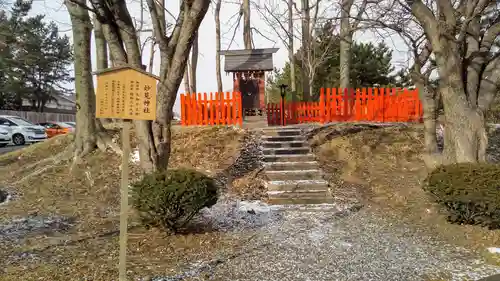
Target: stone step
[298,194]
[294,175]
[301,201]
[283,139]
[289,158]
[286,151]
[293,126]
[300,165]
[283,133]
[292,185]
[289,144]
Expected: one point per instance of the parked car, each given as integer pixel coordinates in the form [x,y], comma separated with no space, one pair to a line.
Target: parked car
[56,128]
[5,137]
[73,124]
[22,130]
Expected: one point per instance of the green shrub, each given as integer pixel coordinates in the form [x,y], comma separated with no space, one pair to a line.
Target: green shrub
[470,192]
[171,199]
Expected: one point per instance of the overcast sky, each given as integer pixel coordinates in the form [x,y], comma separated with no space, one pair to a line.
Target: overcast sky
[55,11]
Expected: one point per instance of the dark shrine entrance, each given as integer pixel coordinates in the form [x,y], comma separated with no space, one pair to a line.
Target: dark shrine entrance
[248,68]
[249,93]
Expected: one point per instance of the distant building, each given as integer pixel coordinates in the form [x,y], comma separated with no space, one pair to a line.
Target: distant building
[62,104]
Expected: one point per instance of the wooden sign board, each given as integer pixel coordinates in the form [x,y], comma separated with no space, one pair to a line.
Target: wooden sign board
[126,93]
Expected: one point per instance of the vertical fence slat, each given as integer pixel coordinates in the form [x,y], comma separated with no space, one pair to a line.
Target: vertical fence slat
[228,109]
[205,109]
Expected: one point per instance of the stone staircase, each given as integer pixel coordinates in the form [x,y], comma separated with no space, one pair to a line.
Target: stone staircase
[292,173]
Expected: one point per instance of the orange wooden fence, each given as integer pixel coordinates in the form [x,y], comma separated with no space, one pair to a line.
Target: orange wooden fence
[213,109]
[367,104]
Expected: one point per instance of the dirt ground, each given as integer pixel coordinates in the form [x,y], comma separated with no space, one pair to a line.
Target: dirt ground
[385,165]
[380,166]
[87,198]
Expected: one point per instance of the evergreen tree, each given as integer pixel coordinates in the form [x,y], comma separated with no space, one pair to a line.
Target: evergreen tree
[34,60]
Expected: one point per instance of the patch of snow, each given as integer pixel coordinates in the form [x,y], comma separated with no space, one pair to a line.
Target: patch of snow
[494,250]
[278,182]
[19,228]
[293,171]
[230,215]
[256,206]
[276,192]
[134,156]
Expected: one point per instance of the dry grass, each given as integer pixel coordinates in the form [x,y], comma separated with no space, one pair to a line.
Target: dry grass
[249,187]
[387,164]
[91,195]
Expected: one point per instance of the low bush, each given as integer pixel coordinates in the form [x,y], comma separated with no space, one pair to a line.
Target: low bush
[171,199]
[470,192]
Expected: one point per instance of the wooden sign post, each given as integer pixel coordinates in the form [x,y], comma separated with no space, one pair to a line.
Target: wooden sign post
[126,93]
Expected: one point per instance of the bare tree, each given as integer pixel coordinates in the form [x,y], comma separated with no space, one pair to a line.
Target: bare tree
[247,31]
[347,28]
[85,139]
[306,44]
[291,55]
[174,46]
[459,42]
[89,131]
[274,16]
[101,47]
[462,39]
[187,84]
[194,64]
[218,5]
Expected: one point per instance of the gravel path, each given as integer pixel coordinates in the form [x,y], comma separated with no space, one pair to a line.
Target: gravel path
[298,245]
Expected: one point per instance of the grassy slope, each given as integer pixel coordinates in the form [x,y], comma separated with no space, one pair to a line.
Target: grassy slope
[386,164]
[91,194]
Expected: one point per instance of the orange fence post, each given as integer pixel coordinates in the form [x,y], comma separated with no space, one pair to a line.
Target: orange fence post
[369,102]
[199,111]
[233,109]
[327,103]
[222,109]
[192,106]
[205,109]
[228,108]
[183,110]
[357,105]
[212,111]
[322,112]
[240,109]
[216,108]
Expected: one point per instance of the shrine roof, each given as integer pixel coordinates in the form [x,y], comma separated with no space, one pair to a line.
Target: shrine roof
[248,59]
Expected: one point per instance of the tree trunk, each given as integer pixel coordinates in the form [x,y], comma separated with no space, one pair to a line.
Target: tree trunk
[247,32]
[101,48]
[194,64]
[152,56]
[187,84]
[85,133]
[345,44]
[465,131]
[306,18]
[217,46]
[174,53]
[154,137]
[291,56]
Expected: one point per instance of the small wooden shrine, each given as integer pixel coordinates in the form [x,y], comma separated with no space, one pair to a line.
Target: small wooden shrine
[248,68]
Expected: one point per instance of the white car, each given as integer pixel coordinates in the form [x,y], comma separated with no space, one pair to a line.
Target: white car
[5,137]
[22,130]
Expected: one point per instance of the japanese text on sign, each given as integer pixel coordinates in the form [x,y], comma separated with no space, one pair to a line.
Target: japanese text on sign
[126,94]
